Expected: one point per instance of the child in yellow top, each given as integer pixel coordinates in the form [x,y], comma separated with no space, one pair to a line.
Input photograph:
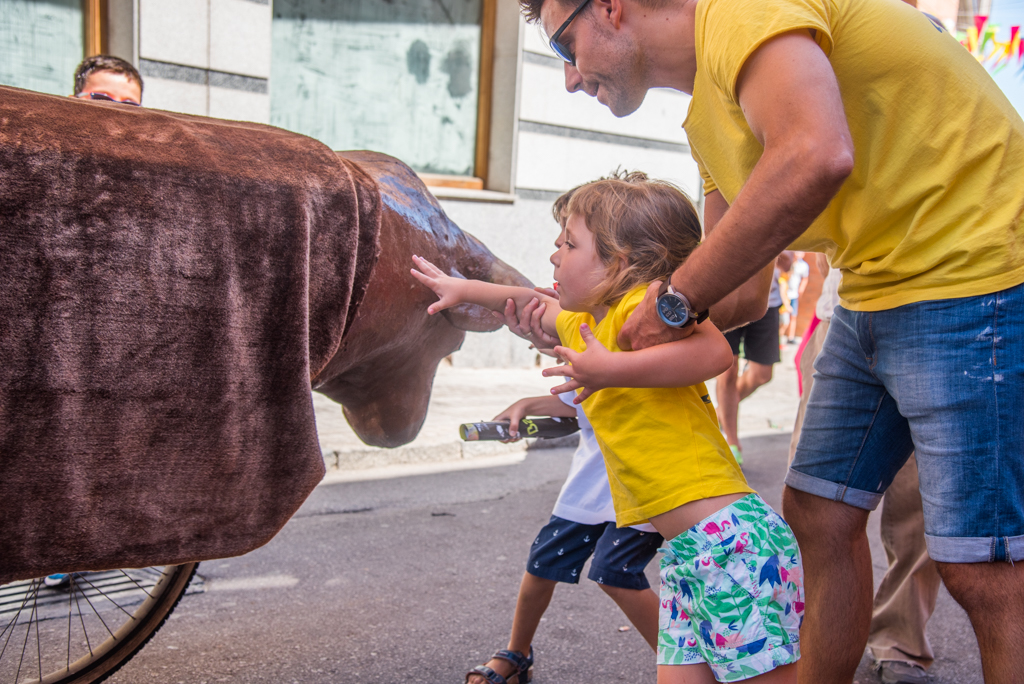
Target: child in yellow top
[667,461]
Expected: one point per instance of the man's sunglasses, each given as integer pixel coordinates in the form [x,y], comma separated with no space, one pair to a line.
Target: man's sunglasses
[560,48]
[105,98]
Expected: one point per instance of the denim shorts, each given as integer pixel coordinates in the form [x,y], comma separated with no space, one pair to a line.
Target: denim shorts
[943,378]
[620,554]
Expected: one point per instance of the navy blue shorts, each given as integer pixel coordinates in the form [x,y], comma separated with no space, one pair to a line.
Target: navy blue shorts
[620,554]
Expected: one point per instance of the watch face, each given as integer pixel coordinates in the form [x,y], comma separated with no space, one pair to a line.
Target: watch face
[672,310]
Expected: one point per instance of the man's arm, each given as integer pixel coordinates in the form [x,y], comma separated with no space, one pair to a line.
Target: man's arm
[791,100]
[749,301]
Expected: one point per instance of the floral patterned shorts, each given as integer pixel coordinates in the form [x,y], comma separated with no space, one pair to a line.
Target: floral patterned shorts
[732,593]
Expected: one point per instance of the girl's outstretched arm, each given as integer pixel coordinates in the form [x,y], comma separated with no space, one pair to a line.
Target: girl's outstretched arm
[703,355]
[451,291]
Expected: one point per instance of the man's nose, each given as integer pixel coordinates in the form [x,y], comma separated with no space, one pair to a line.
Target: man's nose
[573,80]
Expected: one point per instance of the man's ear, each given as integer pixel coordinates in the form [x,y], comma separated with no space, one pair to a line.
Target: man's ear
[610,10]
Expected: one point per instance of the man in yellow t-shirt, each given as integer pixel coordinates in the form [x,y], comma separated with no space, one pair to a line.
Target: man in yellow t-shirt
[862,129]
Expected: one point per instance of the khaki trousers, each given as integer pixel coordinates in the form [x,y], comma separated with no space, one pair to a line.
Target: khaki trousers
[906,596]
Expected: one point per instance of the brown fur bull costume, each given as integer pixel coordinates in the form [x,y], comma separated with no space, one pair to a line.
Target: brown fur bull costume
[173,287]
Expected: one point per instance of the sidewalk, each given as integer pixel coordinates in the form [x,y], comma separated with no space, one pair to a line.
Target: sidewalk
[464,395]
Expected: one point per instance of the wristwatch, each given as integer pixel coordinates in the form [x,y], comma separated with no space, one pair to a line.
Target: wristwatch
[675,311]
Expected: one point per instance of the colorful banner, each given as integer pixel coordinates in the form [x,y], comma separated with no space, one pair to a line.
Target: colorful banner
[982,41]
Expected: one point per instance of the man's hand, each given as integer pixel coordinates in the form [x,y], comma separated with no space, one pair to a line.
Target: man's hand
[527,324]
[644,328]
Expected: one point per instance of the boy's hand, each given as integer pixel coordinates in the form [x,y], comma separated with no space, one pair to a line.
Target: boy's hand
[513,414]
[443,285]
[587,369]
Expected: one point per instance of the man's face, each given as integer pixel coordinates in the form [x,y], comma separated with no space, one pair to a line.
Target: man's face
[115,86]
[609,63]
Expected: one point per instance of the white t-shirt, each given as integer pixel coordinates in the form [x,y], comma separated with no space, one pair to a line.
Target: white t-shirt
[800,271]
[829,298]
[774,295]
[586,497]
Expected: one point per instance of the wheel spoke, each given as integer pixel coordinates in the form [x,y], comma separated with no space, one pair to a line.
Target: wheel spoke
[71,598]
[28,630]
[39,652]
[81,619]
[13,623]
[97,614]
[104,595]
[141,588]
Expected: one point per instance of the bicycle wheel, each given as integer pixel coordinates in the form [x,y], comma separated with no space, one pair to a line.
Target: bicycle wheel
[85,631]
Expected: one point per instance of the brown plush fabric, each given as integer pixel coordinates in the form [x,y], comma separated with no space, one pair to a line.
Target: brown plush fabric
[170,284]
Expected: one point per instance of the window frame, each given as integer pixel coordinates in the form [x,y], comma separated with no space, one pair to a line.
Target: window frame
[94,27]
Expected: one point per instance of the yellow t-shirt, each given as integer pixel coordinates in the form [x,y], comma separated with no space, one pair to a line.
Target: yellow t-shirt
[662,446]
[933,207]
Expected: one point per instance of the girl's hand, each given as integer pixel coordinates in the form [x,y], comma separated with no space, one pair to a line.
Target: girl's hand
[444,286]
[513,414]
[585,369]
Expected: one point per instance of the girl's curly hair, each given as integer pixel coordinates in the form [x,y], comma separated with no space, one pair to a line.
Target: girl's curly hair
[651,224]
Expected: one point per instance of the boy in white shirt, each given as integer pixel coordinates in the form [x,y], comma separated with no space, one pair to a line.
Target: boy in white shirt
[582,524]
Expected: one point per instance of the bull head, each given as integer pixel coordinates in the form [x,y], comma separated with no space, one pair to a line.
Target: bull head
[384,369]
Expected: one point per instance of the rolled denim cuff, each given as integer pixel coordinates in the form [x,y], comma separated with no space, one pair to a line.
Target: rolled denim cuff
[975,549]
[827,489]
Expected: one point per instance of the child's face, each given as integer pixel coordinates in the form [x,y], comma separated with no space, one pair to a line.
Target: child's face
[578,270]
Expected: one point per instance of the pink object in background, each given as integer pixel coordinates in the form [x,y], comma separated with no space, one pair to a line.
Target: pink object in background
[800,351]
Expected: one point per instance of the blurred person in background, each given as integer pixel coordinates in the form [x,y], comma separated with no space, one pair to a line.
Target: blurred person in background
[110,79]
[760,347]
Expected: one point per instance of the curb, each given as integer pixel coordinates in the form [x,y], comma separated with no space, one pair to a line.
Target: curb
[376,457]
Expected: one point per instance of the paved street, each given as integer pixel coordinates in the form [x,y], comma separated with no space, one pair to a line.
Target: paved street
[413,579]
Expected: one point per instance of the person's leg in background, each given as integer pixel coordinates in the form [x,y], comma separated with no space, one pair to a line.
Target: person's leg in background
[811,351]
[728,395]
[906,597]
[761,350]
[794,304]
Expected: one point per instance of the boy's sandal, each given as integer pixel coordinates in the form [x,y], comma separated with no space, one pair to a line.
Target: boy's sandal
[522,664]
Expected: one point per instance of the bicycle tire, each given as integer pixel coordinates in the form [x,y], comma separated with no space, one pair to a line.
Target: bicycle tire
[122,643]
